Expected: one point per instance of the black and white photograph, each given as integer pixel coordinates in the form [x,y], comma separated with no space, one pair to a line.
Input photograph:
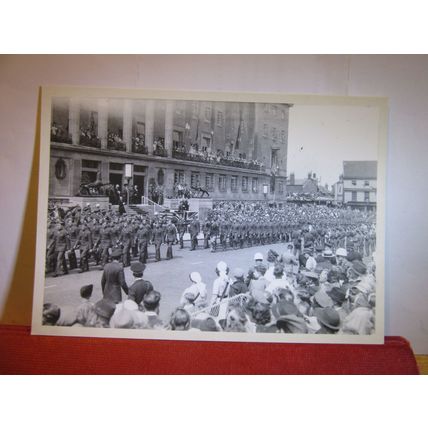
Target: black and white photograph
[210,216]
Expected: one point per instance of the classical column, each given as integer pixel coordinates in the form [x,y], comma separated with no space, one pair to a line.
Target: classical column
[127,125]
[103,122]
[74,120]
[169,125]
[149,125]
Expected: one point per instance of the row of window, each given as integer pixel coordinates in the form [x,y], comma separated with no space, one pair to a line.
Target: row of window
[274,133]
[366,182]
[354,196]
[195,182]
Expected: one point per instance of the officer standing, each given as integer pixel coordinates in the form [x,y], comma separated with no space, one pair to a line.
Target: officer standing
[144,235]
[158,239]
[62,244]
[84,243]
[182,228]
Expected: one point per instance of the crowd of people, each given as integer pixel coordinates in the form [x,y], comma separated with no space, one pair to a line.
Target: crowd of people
[322,294]
[322,282]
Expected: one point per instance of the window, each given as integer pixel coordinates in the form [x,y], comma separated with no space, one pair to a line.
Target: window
[234,183]
[280,187]
[209,181]
[283,114]
[116,166]
[283,136]
[354,182]
[222,183]
[366,196]
[266,108]
[178,176]
[245,184]
[90,170]
[139,168]
[194,179]
[140,128]
[255,185]
[220,118]
[207,113]
[366,183]
[265,130]
[195,109]
[354,196]
[274,110]
[177,140]
[274,134]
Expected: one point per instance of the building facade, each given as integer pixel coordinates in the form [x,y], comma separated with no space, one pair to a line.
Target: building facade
[357,187]
[233,150]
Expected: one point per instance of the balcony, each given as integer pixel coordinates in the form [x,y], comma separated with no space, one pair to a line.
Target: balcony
[89,141]
[205,157]
[61,138]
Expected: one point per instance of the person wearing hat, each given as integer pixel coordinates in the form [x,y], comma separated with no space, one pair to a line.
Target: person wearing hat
[106,239]
[221,283]
[238,285]
[194,229]
[259,266]
[143,236]
[84,242]
[196,294]
[280,279]
[113,279]
[329,320]
[86,316]
[104,310]
[288,318]
[61,245]
[158,239]
[140,287]
[272,259]
[127,241]
[170,238]
[181,229]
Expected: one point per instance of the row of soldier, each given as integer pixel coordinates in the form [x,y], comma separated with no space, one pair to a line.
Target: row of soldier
[96,232]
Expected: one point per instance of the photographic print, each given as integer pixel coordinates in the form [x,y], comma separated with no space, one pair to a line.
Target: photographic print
[210,216]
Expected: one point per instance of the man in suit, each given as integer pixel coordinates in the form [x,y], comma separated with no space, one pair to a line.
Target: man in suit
[113,279]
[194,229]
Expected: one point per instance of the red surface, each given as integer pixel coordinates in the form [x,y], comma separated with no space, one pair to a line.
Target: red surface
[21,353]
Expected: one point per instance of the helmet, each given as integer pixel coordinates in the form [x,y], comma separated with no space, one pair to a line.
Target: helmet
[341,252]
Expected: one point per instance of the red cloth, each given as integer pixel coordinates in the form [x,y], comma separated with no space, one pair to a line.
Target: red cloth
[21,353]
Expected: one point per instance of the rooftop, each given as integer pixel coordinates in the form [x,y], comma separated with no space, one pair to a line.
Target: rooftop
[360,169]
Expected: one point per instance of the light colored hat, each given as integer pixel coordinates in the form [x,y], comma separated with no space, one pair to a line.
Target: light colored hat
[341,252]
[238,273]
[195,277]
[222,266]
[258,256]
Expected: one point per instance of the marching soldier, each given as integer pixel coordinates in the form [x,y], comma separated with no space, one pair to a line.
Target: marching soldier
[84,243]
[127,242]
[213,235]
[62,244]
[50,250]
[96,235]
[73,232]
[182,228]
[194,229]
[170,237]
[144,235]
[206,229]
[105,243]
[158,239]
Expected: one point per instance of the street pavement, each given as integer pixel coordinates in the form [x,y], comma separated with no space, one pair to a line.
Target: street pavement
[169,277]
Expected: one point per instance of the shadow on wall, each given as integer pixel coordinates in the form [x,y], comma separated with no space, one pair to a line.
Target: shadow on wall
[18,303]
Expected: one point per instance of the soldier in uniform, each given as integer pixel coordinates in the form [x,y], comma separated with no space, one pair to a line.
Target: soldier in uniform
[213,235]
[62,244]
[96,234]
[73,232]
[170,237]
[50,247]
[223,234]
[105,243]
[84,242]
[206,229]
[127,242]
[144,235]
[182,228]
[158,239]
[194,229]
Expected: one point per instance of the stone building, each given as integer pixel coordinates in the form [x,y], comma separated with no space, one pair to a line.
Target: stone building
[234,150]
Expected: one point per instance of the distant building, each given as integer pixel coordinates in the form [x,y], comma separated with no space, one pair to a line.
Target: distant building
[234,150]
[305,185]
[357,187]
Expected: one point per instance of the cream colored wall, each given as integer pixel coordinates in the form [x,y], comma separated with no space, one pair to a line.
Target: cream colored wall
[402,79]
